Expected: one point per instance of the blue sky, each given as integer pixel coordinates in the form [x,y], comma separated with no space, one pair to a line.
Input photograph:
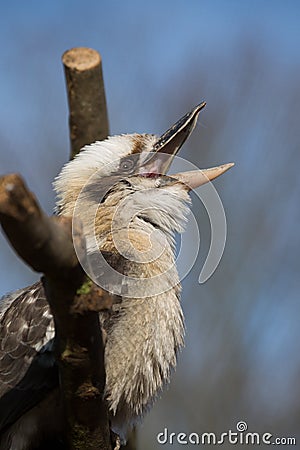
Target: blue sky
[134,38]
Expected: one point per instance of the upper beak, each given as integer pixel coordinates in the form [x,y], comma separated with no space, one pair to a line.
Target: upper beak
[168,145]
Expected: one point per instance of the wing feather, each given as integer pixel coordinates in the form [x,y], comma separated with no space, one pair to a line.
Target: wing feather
[27,365]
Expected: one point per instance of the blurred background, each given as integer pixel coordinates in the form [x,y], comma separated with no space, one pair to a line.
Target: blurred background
[242,359]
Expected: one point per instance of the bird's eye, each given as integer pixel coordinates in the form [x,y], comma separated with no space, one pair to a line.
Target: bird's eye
[126,165]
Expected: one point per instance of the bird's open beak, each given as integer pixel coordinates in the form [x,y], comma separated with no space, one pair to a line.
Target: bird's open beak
[168,145]
[195,178]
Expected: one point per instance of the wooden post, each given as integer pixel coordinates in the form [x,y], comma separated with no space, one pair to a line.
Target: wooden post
[46,244]
[86,95]
[88,118]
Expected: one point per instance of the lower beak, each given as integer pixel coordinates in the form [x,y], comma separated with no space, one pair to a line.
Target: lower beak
[196,178]
[168,145]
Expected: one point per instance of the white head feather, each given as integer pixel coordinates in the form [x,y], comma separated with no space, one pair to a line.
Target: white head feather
[101,157]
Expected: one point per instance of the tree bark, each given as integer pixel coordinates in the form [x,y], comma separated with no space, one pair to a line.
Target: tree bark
[88,118]
[46,245]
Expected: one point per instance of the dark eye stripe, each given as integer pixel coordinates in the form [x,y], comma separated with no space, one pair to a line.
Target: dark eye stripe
[127,165]
[113,187]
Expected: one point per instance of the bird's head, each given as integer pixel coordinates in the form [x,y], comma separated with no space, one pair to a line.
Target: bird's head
[98,184]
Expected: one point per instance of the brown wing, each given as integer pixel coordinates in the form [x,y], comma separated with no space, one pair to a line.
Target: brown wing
[27,365]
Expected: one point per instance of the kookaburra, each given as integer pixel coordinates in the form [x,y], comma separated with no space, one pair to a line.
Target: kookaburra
[127,205]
